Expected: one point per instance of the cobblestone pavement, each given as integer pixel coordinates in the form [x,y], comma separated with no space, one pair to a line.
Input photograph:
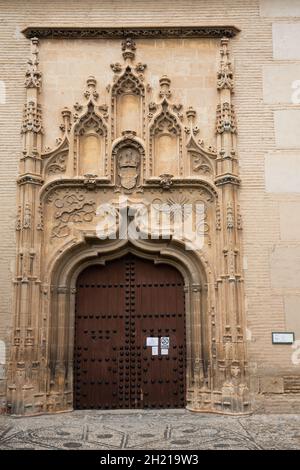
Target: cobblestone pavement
[161,430]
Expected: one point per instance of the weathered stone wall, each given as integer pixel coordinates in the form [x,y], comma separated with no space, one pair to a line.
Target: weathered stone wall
[266,57]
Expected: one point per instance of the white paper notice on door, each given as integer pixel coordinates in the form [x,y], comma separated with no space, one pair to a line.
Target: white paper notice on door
[154,350]
[165,342]
[164,352]
[152,341]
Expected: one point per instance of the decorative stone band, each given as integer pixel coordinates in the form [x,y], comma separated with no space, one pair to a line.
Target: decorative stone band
[117,33]
[183,182]
[30,179]
[227,179]
[92,182]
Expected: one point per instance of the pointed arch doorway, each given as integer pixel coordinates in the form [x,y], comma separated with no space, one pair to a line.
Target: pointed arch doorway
[130,346]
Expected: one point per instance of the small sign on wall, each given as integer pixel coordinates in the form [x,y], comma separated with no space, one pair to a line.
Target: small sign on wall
[283,337]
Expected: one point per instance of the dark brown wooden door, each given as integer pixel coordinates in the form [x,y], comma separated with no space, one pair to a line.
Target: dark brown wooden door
[129,336]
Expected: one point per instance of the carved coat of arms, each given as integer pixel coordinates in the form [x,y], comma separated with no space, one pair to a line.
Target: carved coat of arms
[128,162]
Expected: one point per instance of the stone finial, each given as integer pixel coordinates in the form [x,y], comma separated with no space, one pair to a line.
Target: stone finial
[33,76]
[165,83]
[191,129]
[91,88]
[225,73]
[191,114]
[66,115]
[128,48]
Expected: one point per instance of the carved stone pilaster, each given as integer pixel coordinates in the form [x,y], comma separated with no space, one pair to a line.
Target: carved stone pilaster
[24,366]
[230,377]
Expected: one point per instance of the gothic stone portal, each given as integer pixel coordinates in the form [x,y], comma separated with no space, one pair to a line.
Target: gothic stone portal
[129,139]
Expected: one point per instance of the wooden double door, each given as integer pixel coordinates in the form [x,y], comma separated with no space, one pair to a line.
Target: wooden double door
[129,336]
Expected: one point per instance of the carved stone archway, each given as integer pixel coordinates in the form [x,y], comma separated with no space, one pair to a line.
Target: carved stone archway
[62,308]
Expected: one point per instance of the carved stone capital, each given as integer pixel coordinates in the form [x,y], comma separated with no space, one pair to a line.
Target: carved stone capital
[196,288]
[227,178]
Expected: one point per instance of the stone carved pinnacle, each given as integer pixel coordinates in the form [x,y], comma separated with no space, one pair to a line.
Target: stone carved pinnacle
[91,88]
[66,115]
[191,116]
[225,73]
[33,76]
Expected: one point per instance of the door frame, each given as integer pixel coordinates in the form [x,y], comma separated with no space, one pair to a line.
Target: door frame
[62,320]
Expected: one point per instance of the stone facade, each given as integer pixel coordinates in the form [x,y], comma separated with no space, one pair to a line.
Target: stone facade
[185,114]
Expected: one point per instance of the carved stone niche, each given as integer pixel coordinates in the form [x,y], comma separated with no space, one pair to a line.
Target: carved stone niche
[128,155]
[128,95]
[91,132]
[166,150]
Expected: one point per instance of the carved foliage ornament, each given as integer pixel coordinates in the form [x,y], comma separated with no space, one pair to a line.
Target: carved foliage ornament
[201,165]
[145,32]
[32,118]
[226,119]
[239,219]
[58,163]
[71,207]
[230,216]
